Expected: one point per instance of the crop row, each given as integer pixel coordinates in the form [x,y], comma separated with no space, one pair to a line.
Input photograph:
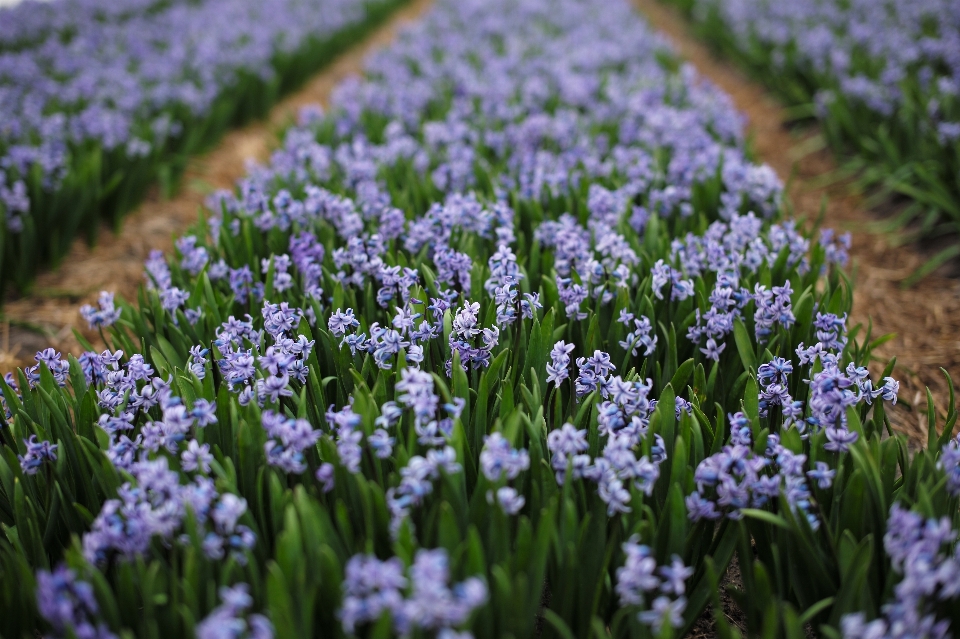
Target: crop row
[30,23]
[882,78]
[99,103]
[511,342]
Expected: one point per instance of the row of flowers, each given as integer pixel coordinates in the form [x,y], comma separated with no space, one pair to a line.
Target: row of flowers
[100,100]
[882,78]
[511,342]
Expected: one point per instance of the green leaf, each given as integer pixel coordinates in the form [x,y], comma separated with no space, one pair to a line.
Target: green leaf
[745,346]
[766,517]
[682,375]
[814,610]
[751,404]
[558,624]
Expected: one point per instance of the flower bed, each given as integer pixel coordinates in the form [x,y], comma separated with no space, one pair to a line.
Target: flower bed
[29,23]
[100,102]
[883,79]
[511,342]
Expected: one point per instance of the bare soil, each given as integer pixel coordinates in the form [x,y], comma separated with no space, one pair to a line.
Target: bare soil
[706,625]
[924,319]
[49,313]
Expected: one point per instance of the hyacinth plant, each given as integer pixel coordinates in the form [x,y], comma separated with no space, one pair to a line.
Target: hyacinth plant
[882,79]
[29,24]
[511,342]
[101,100]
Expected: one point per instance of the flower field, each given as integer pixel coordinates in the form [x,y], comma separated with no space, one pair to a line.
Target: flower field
[102,99]
[513,339]
[883,80]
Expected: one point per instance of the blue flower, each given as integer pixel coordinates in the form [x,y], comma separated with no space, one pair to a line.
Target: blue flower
[839,439]
[822,474]
[558,369]
[230,618]
[37,454]
[508,498]
[340,322]
[498,459]
[68,604]
[105,316]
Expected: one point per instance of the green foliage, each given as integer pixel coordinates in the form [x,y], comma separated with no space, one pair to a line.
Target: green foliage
[101,185]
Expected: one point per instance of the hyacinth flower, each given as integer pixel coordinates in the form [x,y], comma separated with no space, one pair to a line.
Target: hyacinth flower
[68,604]
[658,589]
[925,555]
[430,326]
[104,316]
[38,453]
[229,619]
[420,597]
[500,462]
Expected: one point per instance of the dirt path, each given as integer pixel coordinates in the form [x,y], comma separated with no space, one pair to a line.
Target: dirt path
[47,316]
[926,318]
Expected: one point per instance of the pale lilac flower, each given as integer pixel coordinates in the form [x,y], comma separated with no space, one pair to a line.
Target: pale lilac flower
[69,605]
[508,498]
[37,454]
[105,315]
[498,459]
[196,457]
[558,369]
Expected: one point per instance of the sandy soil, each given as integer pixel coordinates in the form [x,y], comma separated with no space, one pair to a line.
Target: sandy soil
[48,315]
[926,318]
